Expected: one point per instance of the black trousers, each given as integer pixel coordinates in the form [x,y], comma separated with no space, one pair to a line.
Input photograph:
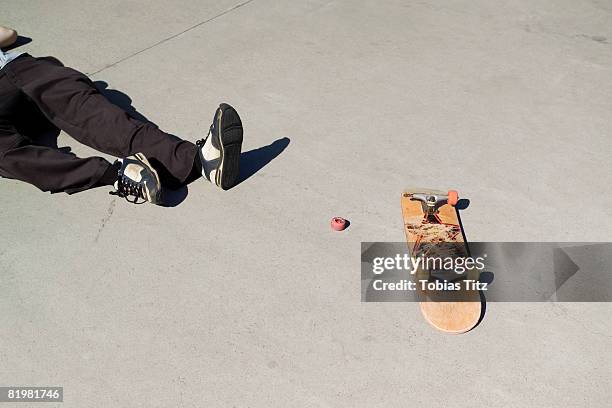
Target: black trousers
[70,101]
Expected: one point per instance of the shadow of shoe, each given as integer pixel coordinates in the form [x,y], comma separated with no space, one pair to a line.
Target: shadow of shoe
[172,198]
[254,160]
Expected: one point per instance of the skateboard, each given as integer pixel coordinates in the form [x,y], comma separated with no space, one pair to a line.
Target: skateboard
[433,229]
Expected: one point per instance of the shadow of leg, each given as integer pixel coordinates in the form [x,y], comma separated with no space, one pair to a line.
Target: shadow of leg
[254,160]
[121,100]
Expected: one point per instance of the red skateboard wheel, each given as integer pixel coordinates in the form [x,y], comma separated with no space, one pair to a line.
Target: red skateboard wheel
[338,223]
[453,197]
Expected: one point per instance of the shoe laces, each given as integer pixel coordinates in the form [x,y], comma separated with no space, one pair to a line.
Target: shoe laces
[202,141]
[127,188]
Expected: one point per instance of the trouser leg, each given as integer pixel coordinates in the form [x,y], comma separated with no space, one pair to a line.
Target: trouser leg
[47,168]
[71,102]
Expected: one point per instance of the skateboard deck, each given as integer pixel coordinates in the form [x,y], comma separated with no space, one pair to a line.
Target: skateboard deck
[433,229]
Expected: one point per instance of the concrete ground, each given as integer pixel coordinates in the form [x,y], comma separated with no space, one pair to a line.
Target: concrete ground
[246,298]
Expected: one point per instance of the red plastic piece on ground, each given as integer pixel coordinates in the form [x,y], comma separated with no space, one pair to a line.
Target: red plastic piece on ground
[338,223]
[453,197]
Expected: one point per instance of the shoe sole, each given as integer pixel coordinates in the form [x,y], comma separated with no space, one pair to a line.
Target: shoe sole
[230,145]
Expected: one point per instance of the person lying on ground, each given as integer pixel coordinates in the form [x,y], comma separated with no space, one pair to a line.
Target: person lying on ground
[44,88]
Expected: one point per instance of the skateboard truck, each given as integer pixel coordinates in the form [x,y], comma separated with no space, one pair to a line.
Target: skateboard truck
[431,202]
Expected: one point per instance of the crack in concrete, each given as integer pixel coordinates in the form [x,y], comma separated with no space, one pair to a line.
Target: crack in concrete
[237,6]
[109,214]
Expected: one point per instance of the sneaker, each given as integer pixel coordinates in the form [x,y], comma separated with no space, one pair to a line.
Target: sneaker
[220,151]
[137,179]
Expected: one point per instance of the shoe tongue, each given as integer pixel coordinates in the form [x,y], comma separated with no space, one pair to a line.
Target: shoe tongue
[132,171]
[210,152]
